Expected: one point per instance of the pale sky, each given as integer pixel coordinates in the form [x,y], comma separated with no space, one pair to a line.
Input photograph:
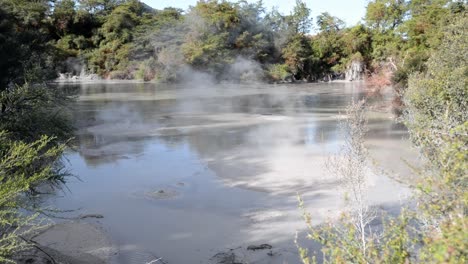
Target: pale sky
[351,11]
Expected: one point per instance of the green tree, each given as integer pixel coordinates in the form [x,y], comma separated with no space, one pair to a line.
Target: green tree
[115,36]
[25,53]
[328,23]
[63,16]
[297,55]
[99,7]
[385,15]
[33,126]
[209,41]
[423,31]
[435,231]
[328,46]
[300,20]
[437,118]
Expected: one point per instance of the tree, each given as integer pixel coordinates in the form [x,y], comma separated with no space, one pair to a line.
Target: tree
[350,238]
[435,231]
[33,126]
[328,46]
[115,34]
[63,16]
[383,18]
[297,56]
[25,53]
[99,7]
[300,19]
[437,118]
[385,15]
[328,23]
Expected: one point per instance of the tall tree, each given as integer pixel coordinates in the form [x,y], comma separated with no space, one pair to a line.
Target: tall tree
[300,19]
[328,23]
[63,16]
[25,54]
[385,15]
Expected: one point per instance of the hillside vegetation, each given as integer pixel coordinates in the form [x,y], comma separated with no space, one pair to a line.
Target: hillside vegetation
[126,39]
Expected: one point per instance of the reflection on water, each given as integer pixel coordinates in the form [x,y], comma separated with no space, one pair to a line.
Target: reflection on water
[232,158]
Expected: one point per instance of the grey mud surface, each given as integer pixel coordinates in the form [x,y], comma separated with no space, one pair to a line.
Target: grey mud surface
[197,174]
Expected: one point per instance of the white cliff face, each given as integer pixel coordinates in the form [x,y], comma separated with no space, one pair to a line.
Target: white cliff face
[355,71]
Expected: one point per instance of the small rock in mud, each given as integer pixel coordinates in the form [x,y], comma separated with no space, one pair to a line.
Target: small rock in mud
[161,194]
[259,247]
[91,216]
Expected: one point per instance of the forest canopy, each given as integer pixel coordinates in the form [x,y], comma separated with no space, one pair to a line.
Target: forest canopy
[126,39]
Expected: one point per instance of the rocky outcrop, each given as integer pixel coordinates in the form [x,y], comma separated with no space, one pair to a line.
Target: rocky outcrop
[355,71]
[68,77]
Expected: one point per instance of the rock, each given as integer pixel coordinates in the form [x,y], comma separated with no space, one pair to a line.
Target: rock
[355,71]
[91,216]
[161,194]
[259,247]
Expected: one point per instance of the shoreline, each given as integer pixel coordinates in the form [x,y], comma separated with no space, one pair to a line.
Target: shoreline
[112,81]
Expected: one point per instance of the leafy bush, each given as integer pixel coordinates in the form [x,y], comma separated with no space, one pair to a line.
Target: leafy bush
[437,114]
[278,72]
[435,231]
[29,111]
[23,166]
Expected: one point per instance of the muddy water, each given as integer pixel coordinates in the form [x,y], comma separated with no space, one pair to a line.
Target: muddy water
[184,173]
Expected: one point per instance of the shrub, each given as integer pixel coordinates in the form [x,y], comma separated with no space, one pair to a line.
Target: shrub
[437,111]
[435,231]
[278,72]
[23,166]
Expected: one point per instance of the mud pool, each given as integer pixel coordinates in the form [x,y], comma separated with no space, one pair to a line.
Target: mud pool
[184,172]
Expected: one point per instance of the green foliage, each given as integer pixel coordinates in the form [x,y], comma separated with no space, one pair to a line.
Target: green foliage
[33,126]
[116,35]
[25,54]
[297,56]
[219,31]
[63,16]
[30,111]
[435,231]
[328,23]
[278,72]
[328,47]
[113,37]
[23,166]
[147,70]
[385,15]
[300,20]
[437,110]
[340,245]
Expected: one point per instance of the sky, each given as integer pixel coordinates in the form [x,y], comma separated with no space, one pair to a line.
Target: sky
[350,11]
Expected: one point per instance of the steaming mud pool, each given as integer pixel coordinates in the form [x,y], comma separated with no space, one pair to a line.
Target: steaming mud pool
[210,173]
